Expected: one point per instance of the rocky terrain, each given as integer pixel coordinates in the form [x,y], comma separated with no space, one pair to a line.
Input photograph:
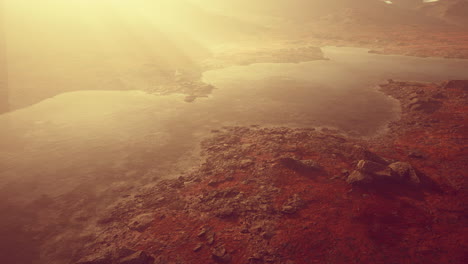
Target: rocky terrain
[245,56]
[283,195]
[190,83]
[395,40]
[267,194]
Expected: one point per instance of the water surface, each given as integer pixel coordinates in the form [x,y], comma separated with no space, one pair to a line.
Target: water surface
[101,137]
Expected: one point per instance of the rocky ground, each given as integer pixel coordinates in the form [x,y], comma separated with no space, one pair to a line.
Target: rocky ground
[288,53]
[190,83]
[410,41]
[283,195]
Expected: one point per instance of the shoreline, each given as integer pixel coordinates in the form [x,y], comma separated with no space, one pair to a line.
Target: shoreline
[271,194]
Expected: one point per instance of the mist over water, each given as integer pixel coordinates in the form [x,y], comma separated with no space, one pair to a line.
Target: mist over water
[72,138]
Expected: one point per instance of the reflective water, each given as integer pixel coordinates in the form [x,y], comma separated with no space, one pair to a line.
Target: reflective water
[91,137]
[77,153]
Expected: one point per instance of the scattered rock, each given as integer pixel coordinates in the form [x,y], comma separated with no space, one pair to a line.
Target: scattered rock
[139,257]
[373,168]
[416,154]
[207,234]
[141,222]
[210,237]
[412,96]
[300,165]
[198,247]
[256,257]
[292,205]
[225,212]
[368,171]
[404,171]
[97,258]
[268,234]
[201,233]
[360,153]
[288,209]
[359,177]
[246,163]
[219,254]
[426,106]
[214,183]
[124,252]
[414,101]
[457,84]
[310,164]
[416,107]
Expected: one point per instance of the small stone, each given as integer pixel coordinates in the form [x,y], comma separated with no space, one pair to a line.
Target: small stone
[225,212]
[414,101]
[310,164]
[416,107]
[413,96]
[213,183]
[416,154]
[267,235]
[245,163]
[141,222]
[201,233]
[404,171]
[359,177]
[300,165]
[229,178]
[373,168]
[245,231]
[219,251]
[288,209]
[97,258]
[124,252]
[198,247]
[139,257]
[219,254]
[210,237]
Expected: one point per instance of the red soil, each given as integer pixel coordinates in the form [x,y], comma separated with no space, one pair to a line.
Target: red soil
[246,205]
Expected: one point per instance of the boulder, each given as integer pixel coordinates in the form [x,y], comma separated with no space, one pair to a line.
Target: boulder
[141,222]
[219,254]
[405,172]
[360,153]
[369,171]
[359,177]
[373,168]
